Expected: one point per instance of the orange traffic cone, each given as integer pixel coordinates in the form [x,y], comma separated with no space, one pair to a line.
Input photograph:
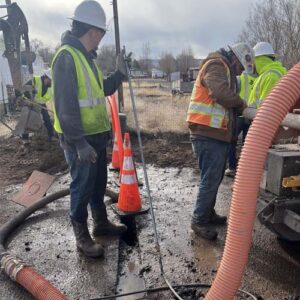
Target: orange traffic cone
[115,160]
[129,196]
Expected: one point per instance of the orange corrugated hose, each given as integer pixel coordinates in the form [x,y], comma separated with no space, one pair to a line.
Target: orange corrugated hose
[246,185]
[38,286]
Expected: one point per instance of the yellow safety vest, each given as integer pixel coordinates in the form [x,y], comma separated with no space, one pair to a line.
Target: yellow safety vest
[203,109]
[247,83]
[38,86]
[257,102]
[94,118]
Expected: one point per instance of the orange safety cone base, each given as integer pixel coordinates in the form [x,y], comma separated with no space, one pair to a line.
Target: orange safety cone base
[121,213]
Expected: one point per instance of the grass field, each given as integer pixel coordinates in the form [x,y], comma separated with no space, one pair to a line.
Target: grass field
[158,110]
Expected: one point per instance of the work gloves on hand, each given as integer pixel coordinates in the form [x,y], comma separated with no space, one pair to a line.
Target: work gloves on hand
[120,64]
[87,153]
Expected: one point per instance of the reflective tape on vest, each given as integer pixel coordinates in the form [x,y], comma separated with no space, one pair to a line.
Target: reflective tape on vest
[128,164]
[128,179]
[205,109]
[91,102]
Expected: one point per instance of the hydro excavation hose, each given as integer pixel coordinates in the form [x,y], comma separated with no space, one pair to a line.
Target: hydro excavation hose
[16,269]
[246,185]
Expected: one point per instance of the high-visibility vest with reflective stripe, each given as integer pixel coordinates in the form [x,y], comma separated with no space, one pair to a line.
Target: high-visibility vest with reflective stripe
[94,118]
[203,109]
[38,86]
[246,85]
[257,102]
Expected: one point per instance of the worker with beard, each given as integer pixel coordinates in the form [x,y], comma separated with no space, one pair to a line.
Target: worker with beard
[82,122]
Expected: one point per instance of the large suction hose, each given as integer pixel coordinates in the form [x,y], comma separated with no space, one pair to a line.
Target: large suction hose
[16,269]
[246,185]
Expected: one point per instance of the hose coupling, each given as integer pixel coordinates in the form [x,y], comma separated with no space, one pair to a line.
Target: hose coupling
[11,265]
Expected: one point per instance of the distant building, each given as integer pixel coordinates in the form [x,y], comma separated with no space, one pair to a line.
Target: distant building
[156,73]
[137,73]
[5,84]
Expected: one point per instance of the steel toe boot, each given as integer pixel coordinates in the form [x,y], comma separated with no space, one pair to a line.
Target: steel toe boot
[84,241]
[204,231]
[217,219]
[102,226]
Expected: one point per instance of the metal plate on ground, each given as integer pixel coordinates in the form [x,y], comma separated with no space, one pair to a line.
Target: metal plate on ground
[34,188]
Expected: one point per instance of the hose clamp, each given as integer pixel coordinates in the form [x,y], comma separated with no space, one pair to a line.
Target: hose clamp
[11,265]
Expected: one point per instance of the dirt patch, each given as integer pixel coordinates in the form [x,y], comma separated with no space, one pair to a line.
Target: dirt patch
[19,159]
[163,150]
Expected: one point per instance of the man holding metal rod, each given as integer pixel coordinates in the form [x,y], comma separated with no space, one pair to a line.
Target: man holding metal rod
[81,120]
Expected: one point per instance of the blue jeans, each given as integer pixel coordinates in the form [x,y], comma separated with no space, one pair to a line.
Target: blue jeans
[89,180]
[242,126]
[211,155]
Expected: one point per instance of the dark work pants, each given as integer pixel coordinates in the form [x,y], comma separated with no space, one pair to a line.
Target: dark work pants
[47,121]
[242,126]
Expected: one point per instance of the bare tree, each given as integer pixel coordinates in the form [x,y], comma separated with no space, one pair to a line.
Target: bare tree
[185,60]
[167,63]
[145,60]
[46,52]
[277,22]
[107,59]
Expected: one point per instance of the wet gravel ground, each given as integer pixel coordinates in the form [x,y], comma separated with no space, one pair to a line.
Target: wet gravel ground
[273,269]
[46,242]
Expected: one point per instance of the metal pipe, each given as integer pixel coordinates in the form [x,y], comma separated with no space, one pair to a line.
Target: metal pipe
[291,120]
[146,179]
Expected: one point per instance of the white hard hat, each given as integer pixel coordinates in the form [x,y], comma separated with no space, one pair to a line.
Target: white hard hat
[245,55]
[48,73]
[90,12]
[263,48]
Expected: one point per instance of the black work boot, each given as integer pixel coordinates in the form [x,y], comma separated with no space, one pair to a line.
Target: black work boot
[217,219]
[84,241]
[204,231]
[102,226]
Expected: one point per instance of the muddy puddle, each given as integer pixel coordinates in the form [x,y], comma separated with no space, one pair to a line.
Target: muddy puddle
[190,259]
[272,272]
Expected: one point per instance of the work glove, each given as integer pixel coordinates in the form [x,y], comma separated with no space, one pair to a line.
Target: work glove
[120,64]
[87,154]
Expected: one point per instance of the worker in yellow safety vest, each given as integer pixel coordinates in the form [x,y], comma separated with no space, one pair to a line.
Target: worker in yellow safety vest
[245,86]
[269,70]
[212,117]
[82,122]
[42,93]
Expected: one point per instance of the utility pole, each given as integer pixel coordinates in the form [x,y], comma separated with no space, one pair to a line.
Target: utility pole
[118,51]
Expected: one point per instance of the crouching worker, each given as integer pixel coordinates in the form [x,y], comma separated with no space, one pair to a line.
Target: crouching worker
[82,122]
[212,118]
[42,94]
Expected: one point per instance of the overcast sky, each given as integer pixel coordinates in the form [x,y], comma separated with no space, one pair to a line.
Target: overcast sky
[168,25]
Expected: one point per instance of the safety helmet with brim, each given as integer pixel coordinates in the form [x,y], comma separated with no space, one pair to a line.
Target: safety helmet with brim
[90,12]
[245,55]
[264,48]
